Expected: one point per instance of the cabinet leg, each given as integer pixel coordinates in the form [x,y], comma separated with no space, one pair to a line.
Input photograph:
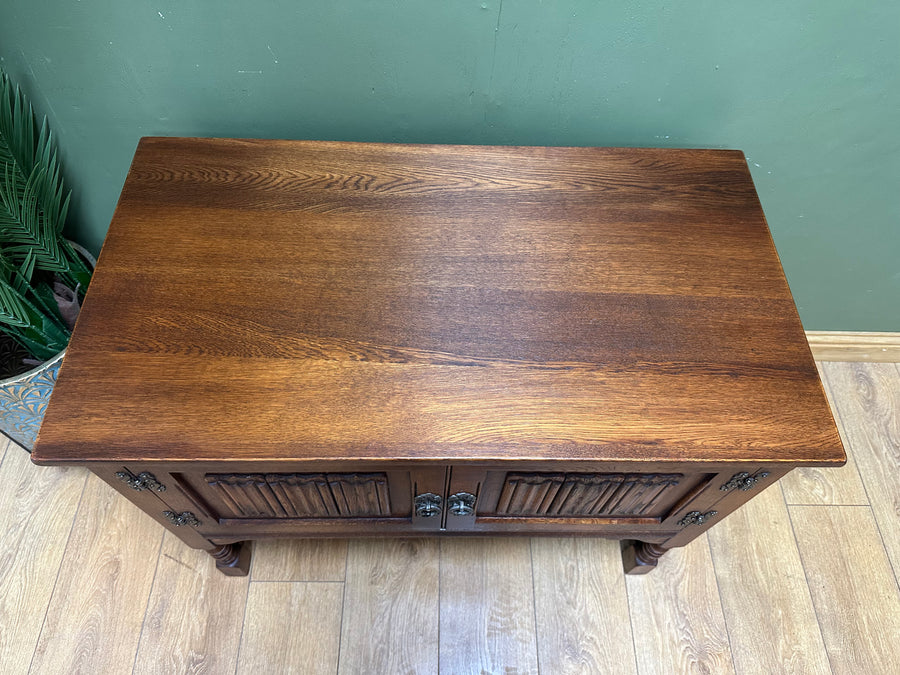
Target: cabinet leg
[639,557]
[232,560]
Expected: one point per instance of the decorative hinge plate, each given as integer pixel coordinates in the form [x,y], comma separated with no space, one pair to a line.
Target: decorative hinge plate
[743,481]
[696,518]
[183,518]
[143,481]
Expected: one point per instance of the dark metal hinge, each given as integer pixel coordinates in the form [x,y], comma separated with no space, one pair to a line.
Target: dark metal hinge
[183,518]
[743,481]
[696,518]
[143,481]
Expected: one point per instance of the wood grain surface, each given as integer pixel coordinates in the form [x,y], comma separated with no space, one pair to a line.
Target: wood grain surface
[94,618]
[831,485]
[194,616]
[676,615]
[392,586]
[300,560]
[768,609]
[487,607]
[578,584]
[305,638]
[581,608]
[36,513]
[844,558]
[869,410]
[420,302]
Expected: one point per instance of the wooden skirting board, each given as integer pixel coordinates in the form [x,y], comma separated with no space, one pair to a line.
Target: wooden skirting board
[854,346]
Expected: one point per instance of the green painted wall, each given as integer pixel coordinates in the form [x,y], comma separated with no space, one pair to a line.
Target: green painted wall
[809,89]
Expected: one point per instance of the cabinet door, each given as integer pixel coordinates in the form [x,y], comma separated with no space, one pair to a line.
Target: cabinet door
[586,495]
[529,500]
[308,502]
[300,495]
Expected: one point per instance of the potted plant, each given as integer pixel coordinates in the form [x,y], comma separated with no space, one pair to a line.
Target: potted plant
[43,276]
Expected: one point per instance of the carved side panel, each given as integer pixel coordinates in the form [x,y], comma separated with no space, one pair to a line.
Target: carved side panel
[298,495]
[582,494]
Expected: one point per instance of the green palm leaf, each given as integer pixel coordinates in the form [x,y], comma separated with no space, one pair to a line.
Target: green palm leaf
[33,208]
[33,201]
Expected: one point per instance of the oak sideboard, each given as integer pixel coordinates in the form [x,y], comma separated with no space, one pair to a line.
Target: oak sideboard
[323,339]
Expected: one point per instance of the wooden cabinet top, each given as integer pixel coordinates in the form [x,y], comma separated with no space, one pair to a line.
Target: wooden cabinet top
[281,300]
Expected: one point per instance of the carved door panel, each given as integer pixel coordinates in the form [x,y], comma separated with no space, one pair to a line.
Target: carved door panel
[584,495]
[517,498]
[300,495]
[320,499]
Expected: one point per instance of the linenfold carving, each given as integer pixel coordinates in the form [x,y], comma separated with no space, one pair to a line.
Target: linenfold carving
[303,495]
[583,494]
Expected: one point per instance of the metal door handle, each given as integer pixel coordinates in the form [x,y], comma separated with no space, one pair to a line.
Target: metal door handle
[427,505]
[461,504]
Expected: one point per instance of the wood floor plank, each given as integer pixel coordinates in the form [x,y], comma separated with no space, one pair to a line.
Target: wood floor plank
[487,607]
[581,607]
[814,485]
[390,620]
[852,585]
[94,618]
[194,616]
[300,560]
[869,405]
[676,615]
[37,508]
[292,627]
[768,609]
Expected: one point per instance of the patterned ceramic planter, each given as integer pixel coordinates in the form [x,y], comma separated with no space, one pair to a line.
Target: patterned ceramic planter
[23,400]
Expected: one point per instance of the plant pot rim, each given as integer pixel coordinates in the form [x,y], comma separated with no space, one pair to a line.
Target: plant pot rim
[28,374]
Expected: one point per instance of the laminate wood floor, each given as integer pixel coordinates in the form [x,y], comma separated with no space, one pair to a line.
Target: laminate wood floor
[803,579]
